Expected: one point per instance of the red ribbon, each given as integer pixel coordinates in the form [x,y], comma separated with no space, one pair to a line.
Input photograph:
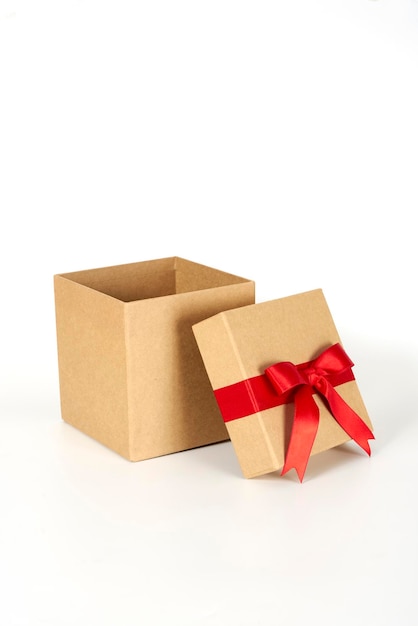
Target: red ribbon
[285,382]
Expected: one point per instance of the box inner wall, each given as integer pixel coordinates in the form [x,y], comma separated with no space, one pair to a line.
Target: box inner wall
[141,281]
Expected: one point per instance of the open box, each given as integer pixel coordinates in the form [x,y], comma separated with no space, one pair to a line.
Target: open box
[130,371]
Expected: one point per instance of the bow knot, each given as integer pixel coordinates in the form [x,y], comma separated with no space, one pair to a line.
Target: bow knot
[314,375]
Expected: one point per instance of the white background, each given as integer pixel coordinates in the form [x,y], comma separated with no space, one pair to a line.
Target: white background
[277,140]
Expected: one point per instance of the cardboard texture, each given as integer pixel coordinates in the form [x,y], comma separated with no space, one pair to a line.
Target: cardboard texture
[239,344]
[130,371]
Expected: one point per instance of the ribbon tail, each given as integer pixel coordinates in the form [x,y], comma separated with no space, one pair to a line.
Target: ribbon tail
[304,429]
[348,419]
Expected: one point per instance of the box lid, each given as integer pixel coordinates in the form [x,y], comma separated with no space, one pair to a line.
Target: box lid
[269,408]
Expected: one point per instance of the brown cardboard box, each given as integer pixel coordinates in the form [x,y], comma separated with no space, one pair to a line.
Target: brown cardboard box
[130,371]
[239,345]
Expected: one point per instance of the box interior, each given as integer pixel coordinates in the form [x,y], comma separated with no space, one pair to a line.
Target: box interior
[152,279]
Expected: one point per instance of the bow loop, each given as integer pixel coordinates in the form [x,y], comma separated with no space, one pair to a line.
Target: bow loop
[285,376]
[333,360]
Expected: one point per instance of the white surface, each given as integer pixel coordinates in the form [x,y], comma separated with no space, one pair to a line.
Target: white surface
[275,140]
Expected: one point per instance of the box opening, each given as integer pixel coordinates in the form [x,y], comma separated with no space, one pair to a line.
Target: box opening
[152,279]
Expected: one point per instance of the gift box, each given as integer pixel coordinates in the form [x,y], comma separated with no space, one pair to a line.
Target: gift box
[130,371]
[283,382]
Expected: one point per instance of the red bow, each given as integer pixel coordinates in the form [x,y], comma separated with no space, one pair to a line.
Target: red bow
[299,382]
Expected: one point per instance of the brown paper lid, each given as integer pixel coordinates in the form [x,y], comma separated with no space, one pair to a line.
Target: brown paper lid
[241,343]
